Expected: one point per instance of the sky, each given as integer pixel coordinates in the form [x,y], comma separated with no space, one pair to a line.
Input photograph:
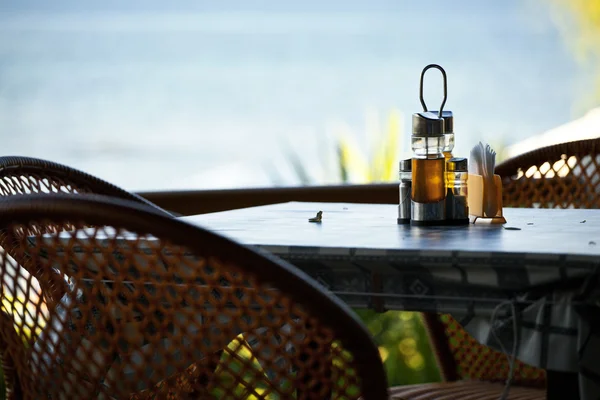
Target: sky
[148,93]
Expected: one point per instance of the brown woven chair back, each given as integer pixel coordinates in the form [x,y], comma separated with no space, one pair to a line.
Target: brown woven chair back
[565,175]
[156,308]
[25,176]
[462,357]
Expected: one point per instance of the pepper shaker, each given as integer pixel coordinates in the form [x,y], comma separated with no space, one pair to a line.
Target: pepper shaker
[404,205]
[457,207]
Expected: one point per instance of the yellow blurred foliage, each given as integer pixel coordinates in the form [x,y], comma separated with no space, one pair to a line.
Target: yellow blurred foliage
[382,164]
[25,315]
[239,347]
[416,361]
[406,315]
[586,29]
[383,353]
[408,346]
[579,20]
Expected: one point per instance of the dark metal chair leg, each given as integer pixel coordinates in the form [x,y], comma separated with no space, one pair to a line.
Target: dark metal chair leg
[439,343]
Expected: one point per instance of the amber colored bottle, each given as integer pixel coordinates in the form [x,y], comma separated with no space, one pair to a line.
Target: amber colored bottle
[428,184]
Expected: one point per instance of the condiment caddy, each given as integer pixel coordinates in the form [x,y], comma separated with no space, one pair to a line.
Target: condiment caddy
[437,188]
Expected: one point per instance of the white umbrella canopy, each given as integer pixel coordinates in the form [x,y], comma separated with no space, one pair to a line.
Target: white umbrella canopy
[586,127]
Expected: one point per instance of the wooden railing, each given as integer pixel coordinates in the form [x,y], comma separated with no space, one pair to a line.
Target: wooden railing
[205,201]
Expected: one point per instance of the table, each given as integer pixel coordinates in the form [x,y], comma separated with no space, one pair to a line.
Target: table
[546,264]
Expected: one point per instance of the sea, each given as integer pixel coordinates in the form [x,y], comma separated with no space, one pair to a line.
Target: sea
[156,95]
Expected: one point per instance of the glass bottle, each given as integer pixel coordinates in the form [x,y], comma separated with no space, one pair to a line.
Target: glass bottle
[405,185]
[457,208]
[448,134]
[428,190]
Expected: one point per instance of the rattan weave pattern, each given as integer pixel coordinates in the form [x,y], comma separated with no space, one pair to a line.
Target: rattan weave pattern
[565,175]
[152,302]
[25,176]
[478,362]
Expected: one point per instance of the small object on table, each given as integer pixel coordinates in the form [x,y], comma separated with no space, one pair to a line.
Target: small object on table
[485,188]
[317,218]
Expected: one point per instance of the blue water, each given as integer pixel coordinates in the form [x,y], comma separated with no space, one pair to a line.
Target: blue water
[206,94]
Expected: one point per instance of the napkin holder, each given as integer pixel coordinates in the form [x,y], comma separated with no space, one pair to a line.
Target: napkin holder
[477,214]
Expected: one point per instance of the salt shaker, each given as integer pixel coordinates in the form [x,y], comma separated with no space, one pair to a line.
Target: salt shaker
[448,133]
[457,208]
[405,190]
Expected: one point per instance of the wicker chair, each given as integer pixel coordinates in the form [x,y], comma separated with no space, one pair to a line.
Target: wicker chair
[566,175]
[24,175]
[153,300]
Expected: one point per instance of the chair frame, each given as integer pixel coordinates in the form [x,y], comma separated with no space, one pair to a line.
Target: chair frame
[102,210]
[19,165]
[579,148]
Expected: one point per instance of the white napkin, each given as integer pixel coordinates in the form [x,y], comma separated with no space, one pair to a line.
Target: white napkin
[483,162]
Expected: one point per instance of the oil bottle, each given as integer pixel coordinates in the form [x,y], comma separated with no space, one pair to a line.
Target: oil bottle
[428,142]
[428,191]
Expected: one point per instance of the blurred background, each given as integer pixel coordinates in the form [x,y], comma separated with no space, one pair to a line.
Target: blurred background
[156,95]
[153,95]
